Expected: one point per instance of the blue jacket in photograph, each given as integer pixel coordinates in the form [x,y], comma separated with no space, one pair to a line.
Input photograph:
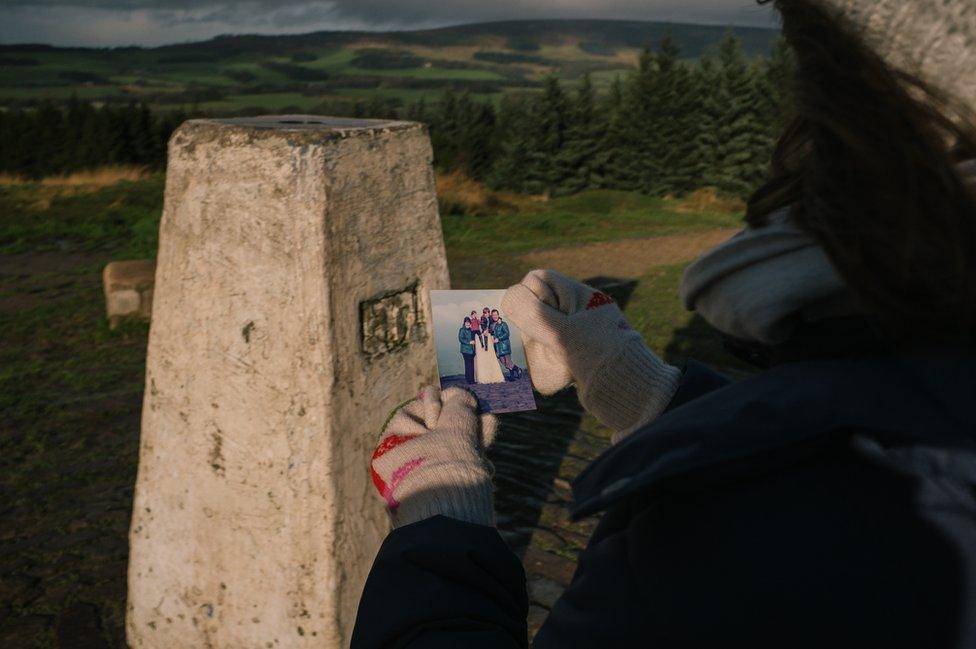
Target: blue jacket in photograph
[818,504]
[503,343]
[465,336]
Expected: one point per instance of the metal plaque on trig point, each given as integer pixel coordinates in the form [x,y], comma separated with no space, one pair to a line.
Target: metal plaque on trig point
[390,321]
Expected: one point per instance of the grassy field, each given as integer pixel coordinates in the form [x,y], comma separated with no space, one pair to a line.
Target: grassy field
[71,389]
[237,73]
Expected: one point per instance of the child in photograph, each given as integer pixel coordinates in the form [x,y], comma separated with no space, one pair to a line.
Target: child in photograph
[486,323]
[476,328]
[466,339]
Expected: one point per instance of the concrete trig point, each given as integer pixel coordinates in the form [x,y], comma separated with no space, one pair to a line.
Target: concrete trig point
[290,315]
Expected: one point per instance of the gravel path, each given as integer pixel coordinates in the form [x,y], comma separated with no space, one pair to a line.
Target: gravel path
[626,258]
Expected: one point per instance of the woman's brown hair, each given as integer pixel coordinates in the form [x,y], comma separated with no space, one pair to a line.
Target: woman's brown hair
[868,166]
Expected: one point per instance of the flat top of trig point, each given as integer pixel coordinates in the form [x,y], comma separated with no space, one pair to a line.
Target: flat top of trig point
[308,123]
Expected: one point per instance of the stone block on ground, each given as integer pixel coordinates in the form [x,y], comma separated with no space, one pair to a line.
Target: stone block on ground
[291,315]
[128,289]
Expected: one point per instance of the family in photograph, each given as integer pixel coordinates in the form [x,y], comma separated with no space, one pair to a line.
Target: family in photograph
[485,345]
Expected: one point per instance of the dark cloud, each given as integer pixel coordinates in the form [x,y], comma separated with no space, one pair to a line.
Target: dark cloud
[152,22]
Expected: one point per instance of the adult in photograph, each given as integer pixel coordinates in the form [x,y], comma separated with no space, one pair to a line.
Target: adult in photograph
[466,338]
[827,499]
[503,345]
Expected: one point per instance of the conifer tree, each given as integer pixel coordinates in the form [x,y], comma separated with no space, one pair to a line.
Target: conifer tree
[545,142]
[417,111]
[475,144]
[641,159]
[708,113]
[675,121]
[578,156]
[514,133]
[742,130]
[444,130]
[613,166]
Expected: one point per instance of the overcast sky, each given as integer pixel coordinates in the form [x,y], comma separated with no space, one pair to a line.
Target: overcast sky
[157,22]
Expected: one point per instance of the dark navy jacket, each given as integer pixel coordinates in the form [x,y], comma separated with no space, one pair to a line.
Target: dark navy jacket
[819,504]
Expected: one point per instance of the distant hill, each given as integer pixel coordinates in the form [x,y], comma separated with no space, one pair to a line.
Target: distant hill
[300,71]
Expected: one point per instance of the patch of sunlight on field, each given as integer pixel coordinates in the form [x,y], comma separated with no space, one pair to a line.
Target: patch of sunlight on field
[407,96]
[432,72]
[332,60]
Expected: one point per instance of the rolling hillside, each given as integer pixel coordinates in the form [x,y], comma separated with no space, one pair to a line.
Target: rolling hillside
[299,72]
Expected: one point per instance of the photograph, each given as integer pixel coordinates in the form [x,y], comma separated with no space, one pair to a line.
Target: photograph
[480,350]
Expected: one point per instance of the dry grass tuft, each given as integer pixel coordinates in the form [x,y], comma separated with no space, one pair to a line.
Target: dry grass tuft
[459,194]
[45,190]
[706,200]
[89,178]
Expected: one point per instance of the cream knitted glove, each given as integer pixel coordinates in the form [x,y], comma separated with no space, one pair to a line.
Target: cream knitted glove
[431,459]
[574,333]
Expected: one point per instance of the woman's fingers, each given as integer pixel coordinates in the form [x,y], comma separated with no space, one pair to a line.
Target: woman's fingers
[489,426]
[536,281]
[550,373]
[429,399]
[534,317]
[407,420]
[563,293]
[459,414]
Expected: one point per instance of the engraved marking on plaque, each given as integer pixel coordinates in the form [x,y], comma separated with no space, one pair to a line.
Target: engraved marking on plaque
[391,321]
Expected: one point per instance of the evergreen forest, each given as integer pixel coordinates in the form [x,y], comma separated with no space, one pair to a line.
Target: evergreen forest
[669,126]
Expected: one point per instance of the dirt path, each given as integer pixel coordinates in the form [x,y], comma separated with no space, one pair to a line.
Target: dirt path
[627,258]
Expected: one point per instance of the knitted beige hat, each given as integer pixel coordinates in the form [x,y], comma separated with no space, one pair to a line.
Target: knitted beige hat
[934,40]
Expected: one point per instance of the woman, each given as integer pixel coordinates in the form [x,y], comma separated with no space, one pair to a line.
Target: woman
[486,368]
[467,346]
[827,501]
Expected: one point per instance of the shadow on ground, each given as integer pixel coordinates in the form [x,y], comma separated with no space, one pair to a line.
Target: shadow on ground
[530,448]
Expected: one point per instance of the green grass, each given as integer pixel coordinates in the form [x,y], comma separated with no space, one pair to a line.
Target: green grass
[655,310]
[123,218]
[70,394]
[429,73]
[335,60]
[71,389]
[598,215]
[57,92]
[405,96]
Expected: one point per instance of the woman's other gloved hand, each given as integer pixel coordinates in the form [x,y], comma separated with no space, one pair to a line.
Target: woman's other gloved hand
[431,459]
[574,333]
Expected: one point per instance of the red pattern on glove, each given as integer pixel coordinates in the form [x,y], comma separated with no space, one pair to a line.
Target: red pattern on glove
[598,299]
[389,443]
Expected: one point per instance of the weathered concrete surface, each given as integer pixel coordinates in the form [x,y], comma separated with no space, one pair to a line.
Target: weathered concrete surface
[284,248]
[128,289]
